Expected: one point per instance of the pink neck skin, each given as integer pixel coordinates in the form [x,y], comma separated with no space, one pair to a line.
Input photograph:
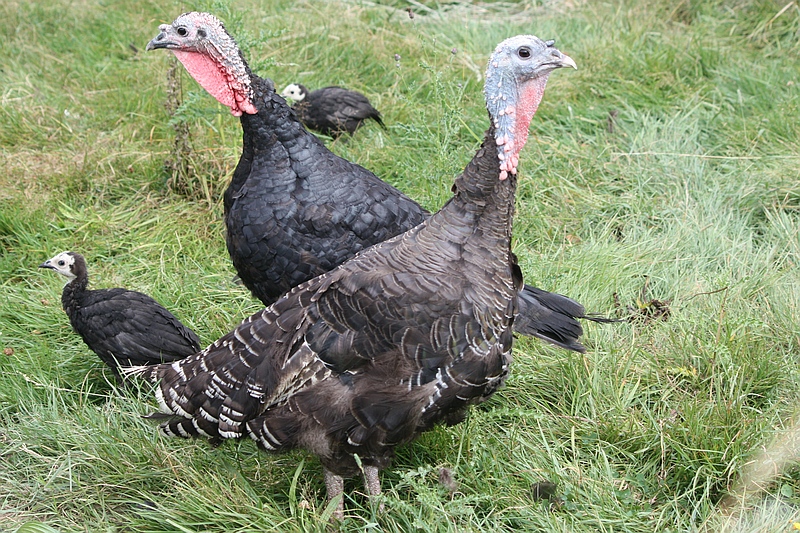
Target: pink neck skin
[510,143]
[213,78]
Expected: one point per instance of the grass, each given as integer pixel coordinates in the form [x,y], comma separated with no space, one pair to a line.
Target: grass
[667,168]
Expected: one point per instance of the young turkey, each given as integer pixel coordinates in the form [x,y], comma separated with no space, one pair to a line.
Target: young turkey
[293,209]
[331,110]
[405,335]
[124,328]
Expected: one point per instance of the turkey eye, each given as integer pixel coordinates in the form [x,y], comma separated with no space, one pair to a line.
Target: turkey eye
[524,52]
[182,32]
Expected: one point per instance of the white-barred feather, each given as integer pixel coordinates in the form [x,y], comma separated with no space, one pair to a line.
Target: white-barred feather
[266,434]
[177,366]
[244,341]
[162,404]
[199,429]
[203,413]
[176,403]
[258,337]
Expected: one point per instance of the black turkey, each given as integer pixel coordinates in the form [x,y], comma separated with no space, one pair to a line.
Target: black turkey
[293,209]
[331,110]
[403,336]
[125,328]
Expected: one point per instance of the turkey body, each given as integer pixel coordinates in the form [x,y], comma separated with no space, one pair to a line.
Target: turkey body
[331,110]
[360,359]
[405,335]
[124,328]
[295,210]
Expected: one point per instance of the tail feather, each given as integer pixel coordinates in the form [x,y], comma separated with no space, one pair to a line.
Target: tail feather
[146,372]
[551,317]
[594,317]
[554,318]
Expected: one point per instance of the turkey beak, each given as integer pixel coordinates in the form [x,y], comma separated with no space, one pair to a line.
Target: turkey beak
[156,43]
[557,59]
[47,264]
[567,61]
[160,41]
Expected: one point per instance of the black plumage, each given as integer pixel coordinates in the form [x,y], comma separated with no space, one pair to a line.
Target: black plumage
[124,328]
[295,210]
[331,110]
[405,335]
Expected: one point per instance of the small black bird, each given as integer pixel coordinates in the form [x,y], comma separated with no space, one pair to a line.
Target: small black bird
[124,328]
[331,110]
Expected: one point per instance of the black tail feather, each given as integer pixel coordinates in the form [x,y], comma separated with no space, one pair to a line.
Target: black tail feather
[553,317]
[550,317]
[599,319]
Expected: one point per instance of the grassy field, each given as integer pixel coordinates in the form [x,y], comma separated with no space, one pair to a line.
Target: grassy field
[661,182]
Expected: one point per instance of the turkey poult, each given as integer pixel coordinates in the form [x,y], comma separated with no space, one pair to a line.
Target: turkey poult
[125,328]
[331,110]
[293,209]
[405,335]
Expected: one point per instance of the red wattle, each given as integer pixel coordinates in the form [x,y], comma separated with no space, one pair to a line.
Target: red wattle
[213,79]
[529,98]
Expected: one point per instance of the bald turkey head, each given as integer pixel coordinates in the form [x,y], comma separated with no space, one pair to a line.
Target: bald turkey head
[211,56]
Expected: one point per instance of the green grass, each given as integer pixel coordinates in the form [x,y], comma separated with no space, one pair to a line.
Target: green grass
[694,193]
